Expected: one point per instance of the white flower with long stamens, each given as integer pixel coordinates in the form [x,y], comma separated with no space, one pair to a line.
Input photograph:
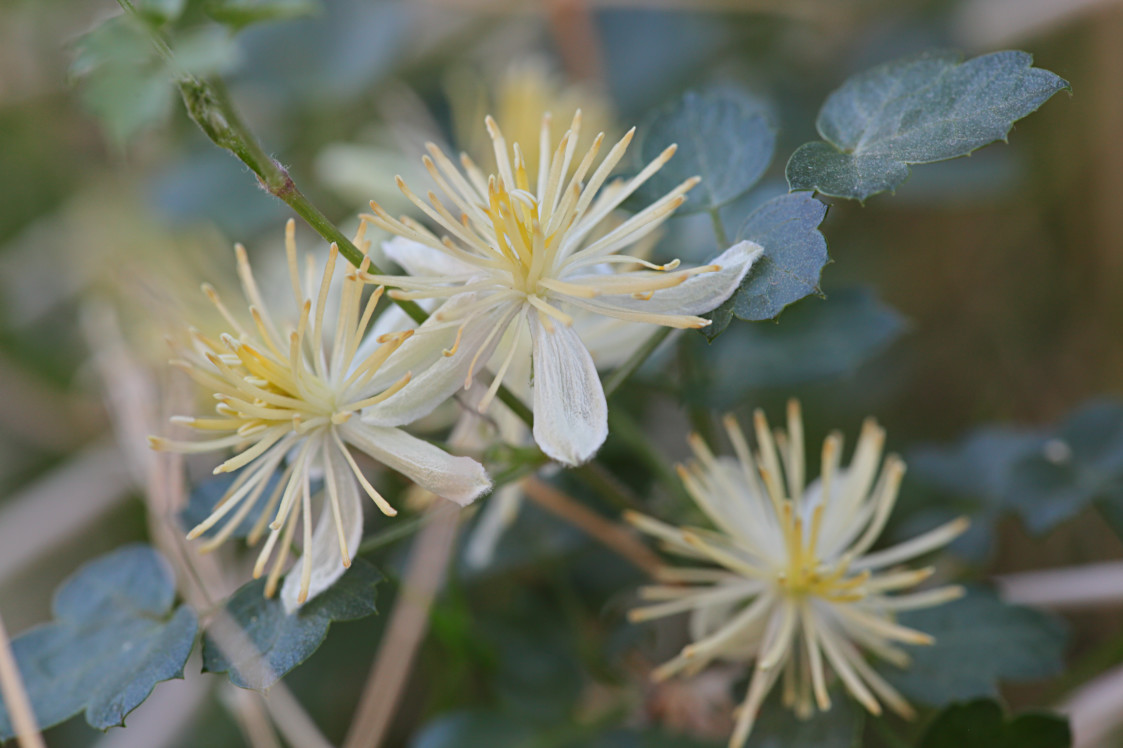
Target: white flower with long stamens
[289,400]
[799,591]
[515,262]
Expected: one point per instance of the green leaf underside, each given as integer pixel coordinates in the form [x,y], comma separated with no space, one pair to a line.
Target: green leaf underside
[113,638]
[815,340]
[269,643]
[979,641]
[795,252]
[981,724]
[916,110]
[725,138]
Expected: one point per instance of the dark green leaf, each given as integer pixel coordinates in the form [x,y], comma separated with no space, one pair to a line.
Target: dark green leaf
[814,340]
[779,727]
[114,637]
[794,255]
[241,13]
[971,478]
[1082,463]
[914,111]
[482,728]
[267,643]
[981,724]
[726,138]
[979,641]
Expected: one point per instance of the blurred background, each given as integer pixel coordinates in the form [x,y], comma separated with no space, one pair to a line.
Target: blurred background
[986,290]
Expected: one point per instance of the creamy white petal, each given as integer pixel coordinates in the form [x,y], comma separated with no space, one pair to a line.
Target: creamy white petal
[435,376]
[324,554]
[419,259]
[459,479]
[696,295]
[570,410]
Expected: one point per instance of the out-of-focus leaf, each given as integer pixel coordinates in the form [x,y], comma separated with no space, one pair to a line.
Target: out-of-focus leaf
[779,727]
[917,110]
[726,138]
[814,340]
[795,251]
[981,724]
[971,478]
[204,52]
[238,14]
[1080,464]
[114,637]
[127,85]
[482,728]
[160,11]
[979,641]
[266,643]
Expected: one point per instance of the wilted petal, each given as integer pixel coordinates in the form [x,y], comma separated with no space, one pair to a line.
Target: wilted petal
[459,479]
[570,410]
[324,554]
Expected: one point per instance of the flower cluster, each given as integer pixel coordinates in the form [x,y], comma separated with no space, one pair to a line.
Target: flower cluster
[513,273]
[796,588]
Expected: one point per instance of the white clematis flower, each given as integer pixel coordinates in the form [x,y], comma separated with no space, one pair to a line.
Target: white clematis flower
[288,400]
[798,591]
[517,262]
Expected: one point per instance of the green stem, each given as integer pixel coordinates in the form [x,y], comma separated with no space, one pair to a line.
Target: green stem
[621,425]
[719,228]
[625,370]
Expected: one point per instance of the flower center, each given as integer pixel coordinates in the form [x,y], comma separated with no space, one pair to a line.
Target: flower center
[808,575]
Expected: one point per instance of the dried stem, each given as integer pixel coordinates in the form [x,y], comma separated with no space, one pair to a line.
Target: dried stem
[15,697]
[406,629]
[615,537]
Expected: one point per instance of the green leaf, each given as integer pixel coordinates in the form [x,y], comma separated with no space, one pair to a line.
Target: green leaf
[159,12]
[814,340]
[916,110]
[726,138]
[795,253]
[779,727]
[267,643]
[1080,464]
[979,641]
[114,637]
[493,729]
[971,477]
[981,724]
[238,14]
